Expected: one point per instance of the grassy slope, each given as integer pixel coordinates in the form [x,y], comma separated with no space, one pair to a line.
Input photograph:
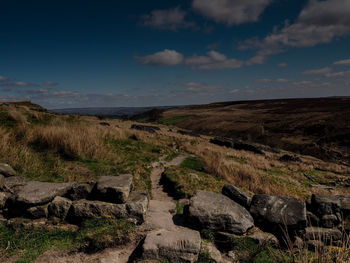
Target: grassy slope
[44,146]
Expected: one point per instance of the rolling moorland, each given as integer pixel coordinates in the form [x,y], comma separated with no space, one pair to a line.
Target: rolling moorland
[87,189]
[317,127]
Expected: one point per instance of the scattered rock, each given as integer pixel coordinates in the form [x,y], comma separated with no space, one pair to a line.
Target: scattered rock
[213,252]
[103,123]
[194,176]
[6,170]
[80,190]
[274,213]
[237,144]
[37,193]
[263,239]
[330,221]
[114,189]
[237,195]
[181,245]
[3,199]
[326,235]
[312,220]
[86,209]
[37,212]
[146,128]
[59,207]
[290,158]
[188,133]
[217,212]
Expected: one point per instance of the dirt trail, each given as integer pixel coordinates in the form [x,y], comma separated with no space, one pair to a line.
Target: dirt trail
[159,216]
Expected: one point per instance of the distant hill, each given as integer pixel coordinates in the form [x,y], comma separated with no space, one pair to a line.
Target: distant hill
[112,112]
[319,127]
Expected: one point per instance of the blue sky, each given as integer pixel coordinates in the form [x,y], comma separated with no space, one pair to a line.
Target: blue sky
[145,53]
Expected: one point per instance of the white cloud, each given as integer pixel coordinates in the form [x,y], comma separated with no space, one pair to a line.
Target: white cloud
[162,58]
[231,12]
[199,87]
[282,65]
[319,22]
[20,84]
[2,78]
[338,74]
[172,19]
[263,80]
[281,80]
[345,62]
[321,71]
[214,60]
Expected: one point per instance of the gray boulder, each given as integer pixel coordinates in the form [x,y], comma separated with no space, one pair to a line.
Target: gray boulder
[6,170]
[59,207]
[86,209]
[237,195]
[137,206]
[181,245]
[37,212]
[80,190]
[14,182]
[326,235]
[37,193]
[274,213]
[217,212]
[114,189]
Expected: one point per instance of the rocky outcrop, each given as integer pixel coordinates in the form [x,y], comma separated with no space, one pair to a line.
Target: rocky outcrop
[135,209]
[325,235]
[146,128]
[217,212]
[237,195]
[180,245]
[289,158]
[274,213]
[113,189]
[237,144]
[330,209]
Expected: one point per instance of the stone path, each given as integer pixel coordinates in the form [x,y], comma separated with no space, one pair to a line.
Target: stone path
[161,208]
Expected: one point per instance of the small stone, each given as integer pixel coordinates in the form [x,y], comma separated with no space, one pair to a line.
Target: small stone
[6,170]
[330,221]
[80,190]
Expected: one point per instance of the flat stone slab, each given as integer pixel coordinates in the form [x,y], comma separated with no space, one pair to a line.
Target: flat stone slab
[217,212]
[114,189]
[180,245]
[135,209]
[159,216]
[322,234]
[37,193]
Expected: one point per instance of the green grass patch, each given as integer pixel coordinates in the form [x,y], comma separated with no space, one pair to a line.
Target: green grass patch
[179,208]
[176,119]
[181,184]
[171,156]
[192,163]
[94,235]
[7,121]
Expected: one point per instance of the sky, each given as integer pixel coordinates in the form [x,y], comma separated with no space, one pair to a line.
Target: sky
[84,53]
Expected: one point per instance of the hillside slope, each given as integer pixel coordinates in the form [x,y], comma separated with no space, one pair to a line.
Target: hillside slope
[316,127]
